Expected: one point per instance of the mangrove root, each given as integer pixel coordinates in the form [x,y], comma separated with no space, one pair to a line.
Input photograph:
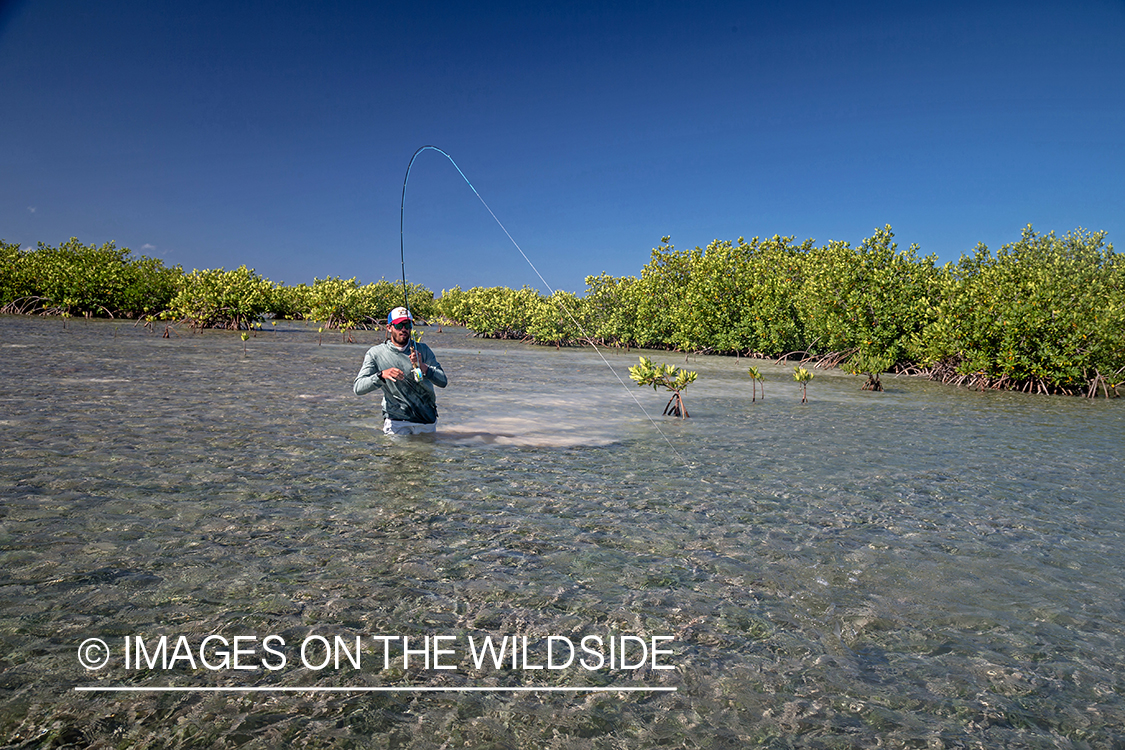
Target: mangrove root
[675,407]
[873,383]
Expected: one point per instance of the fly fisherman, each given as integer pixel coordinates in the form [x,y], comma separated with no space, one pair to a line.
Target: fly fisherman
[407,372]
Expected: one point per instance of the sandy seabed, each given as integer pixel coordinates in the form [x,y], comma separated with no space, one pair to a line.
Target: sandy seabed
[926,567]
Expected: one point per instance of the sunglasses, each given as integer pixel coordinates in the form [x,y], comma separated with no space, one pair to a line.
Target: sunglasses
[405,325]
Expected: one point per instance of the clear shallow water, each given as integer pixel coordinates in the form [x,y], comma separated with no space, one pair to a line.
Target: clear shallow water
[927,567]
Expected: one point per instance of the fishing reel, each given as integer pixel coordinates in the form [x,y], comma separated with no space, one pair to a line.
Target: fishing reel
[416,335]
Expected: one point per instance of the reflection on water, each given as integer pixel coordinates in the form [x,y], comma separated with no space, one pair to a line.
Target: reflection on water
[923,567]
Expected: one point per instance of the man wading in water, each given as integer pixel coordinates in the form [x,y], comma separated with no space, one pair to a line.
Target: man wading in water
[407,376]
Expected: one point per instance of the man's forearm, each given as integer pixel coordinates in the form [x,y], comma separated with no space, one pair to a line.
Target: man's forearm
[369,378]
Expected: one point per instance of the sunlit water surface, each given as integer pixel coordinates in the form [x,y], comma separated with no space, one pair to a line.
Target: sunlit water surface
[926,567]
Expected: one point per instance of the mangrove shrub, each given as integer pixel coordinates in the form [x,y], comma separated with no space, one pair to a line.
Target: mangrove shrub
[217,298]
[869,300]
[1045,313]
[77,279]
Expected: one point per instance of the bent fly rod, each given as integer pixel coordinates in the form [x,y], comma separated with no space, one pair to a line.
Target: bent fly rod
[589,339]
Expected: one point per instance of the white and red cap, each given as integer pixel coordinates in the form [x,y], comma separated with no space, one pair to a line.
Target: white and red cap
[398,315]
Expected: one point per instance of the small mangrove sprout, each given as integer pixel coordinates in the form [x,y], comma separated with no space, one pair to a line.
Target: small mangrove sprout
[755,378]
[871,365]
[672,378]
[245,337]
[803,376]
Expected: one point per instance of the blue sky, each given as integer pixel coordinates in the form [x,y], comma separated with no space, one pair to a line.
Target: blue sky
[277,134]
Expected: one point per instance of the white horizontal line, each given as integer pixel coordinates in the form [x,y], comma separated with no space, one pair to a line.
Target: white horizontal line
[404,689]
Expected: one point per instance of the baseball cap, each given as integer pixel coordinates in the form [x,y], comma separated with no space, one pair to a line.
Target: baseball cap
[398,315]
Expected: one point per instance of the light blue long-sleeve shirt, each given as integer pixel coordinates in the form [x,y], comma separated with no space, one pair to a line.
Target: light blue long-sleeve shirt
[403,400]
